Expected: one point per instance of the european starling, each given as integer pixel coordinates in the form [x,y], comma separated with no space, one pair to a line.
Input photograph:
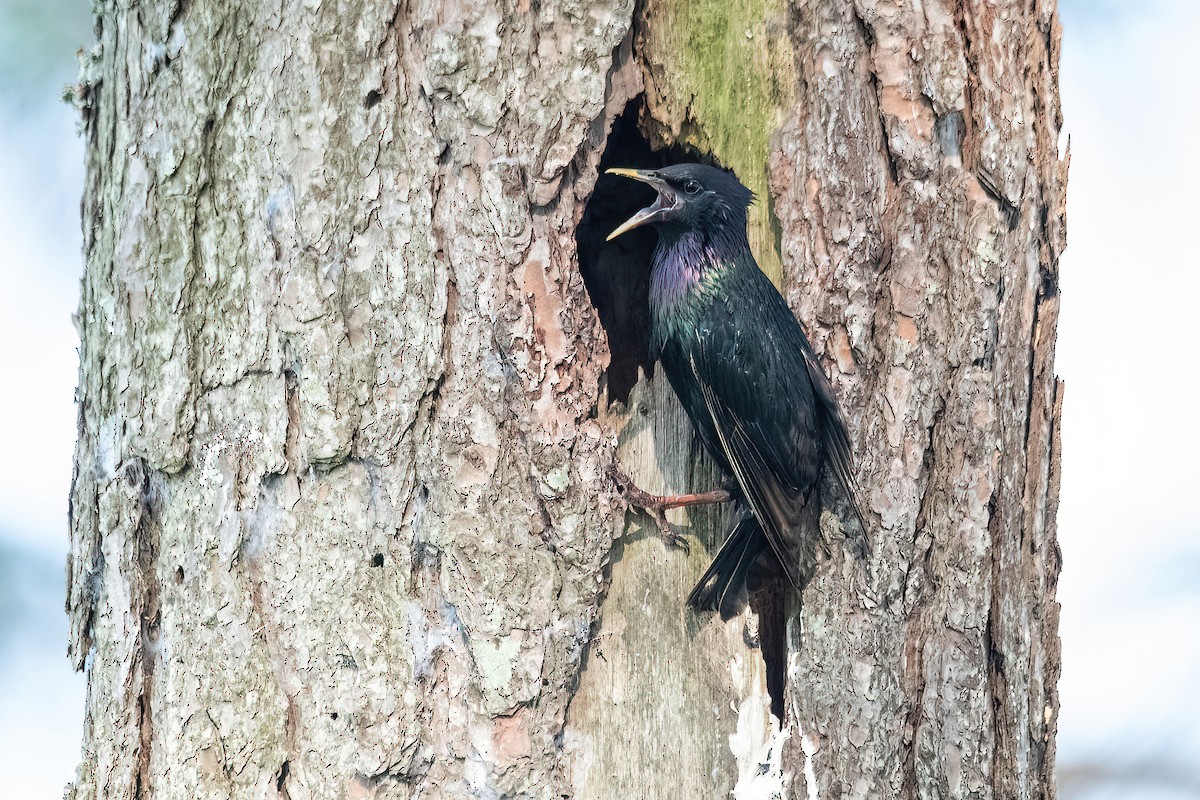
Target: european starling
[748,379]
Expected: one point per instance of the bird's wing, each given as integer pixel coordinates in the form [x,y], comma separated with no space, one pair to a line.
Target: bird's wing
[833,431]
[773,502]
[772,408]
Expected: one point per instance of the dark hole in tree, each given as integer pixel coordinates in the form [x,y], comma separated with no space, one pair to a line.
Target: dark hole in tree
[377,560]
[617,273]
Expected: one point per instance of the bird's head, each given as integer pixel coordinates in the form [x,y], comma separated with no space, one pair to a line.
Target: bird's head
[690,196]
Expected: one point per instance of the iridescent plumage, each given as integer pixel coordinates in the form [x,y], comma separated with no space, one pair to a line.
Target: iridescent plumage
[747,377]
[751,385]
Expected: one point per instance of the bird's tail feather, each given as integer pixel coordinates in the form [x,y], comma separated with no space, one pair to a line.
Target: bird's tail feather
[769,602]
[720,588]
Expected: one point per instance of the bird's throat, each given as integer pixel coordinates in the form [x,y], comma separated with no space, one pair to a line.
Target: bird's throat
[683,266]
[686,276]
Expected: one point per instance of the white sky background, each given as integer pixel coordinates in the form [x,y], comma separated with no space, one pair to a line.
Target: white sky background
[1129,521]
[41,175]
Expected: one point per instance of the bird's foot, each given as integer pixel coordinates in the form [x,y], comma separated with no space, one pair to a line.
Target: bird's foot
[640,498]
[656,505]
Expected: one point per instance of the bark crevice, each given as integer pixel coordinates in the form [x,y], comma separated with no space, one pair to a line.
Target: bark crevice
[146,611]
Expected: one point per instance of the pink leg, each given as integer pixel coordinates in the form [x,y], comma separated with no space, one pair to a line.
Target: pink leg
[656,504]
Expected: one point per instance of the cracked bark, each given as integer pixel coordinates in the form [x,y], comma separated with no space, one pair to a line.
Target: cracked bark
[341,523]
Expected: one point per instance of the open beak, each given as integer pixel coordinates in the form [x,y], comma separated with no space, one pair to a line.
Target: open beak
[666,201]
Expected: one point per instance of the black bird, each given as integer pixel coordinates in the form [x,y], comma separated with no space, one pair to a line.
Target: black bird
[748,379]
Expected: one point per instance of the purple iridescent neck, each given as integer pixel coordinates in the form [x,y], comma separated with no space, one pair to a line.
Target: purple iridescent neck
[684,256]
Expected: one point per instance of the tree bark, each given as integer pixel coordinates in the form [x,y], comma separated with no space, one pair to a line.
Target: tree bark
[341,522]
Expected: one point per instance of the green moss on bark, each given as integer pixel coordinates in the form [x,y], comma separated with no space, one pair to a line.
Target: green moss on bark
[719,79]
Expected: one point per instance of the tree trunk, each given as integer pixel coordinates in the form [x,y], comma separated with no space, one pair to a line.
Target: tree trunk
[356,363]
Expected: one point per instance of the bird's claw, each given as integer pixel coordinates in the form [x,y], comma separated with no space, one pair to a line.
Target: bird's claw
[653,506]
[670,538]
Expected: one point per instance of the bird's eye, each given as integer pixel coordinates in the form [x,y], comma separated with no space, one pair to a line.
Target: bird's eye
[691,187]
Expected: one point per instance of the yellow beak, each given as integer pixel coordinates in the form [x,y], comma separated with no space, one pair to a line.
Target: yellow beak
[650,212]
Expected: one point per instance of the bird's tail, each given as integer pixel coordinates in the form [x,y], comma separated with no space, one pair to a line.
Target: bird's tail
[720,588]
[769,601]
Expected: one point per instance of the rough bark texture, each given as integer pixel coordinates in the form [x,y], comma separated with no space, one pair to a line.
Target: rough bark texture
[340,520]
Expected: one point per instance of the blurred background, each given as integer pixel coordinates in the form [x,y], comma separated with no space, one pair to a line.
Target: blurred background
[1130,589]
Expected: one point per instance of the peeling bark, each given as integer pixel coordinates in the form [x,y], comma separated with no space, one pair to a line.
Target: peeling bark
[340,520]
